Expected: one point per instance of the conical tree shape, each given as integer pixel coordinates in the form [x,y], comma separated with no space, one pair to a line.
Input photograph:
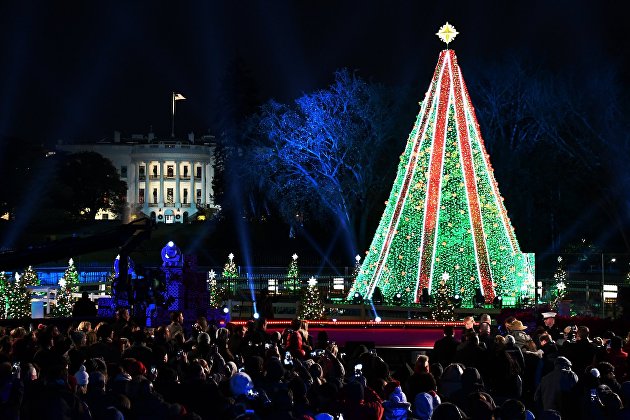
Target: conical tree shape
[445,213]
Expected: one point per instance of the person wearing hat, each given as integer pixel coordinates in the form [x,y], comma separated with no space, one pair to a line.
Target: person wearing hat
[396,406]
[83,378]
[517,330]
[556,387]
[549,325]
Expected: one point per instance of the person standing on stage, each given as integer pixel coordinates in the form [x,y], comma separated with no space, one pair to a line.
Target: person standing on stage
[445,349]
[469,325]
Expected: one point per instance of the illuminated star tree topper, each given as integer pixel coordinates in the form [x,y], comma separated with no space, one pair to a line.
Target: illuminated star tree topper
[447,33]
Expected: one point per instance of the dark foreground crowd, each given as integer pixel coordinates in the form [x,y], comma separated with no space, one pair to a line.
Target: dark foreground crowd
[119,370]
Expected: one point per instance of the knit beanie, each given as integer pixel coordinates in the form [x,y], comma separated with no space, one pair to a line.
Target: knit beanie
[82,377]
[240,384]
[394,393]
[424,404]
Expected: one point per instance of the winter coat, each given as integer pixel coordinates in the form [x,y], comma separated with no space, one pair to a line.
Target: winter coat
[424,404]
[556,386]
[396,410]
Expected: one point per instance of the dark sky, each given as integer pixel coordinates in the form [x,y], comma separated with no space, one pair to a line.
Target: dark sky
[80,70]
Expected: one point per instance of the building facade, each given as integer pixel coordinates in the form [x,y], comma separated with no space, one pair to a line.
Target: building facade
[169,181]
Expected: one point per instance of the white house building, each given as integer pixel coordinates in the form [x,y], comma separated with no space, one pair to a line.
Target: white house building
[169,181]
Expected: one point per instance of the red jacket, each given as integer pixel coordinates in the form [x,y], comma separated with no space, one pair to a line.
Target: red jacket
[618,358]
[370,408]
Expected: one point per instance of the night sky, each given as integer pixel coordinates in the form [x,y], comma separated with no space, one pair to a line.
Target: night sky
[81,71]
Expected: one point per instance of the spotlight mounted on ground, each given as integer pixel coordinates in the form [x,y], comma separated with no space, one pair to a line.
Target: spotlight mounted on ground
[357,298]
[398,298]
[457,301]
[497,302]
[256,315]
[377,319]
[226,309]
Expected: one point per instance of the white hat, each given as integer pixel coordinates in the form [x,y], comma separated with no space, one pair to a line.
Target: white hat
[548,315]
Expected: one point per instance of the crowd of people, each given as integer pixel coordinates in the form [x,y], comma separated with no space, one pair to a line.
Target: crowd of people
[118,369]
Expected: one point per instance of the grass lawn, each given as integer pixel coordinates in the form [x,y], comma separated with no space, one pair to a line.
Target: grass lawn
[267,243]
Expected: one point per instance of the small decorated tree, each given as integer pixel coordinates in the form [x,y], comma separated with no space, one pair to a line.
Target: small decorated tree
[230,272]
[310,306]
[68,285]
[443,309]
[63,307]
[30,277]
[217,293]
[357,267]
[293,273]
[18,299]
[72,276]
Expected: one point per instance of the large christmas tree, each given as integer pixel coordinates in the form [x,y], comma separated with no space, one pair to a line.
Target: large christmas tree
[445,213]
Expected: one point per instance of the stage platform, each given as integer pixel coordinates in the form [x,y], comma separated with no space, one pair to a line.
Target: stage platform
[342,311]
[413,335]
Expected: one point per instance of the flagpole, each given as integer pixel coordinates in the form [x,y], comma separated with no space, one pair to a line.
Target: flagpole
[173,115]
[174,98]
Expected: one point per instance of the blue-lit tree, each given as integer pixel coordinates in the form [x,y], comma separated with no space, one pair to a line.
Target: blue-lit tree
[318,158]
[575,130]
